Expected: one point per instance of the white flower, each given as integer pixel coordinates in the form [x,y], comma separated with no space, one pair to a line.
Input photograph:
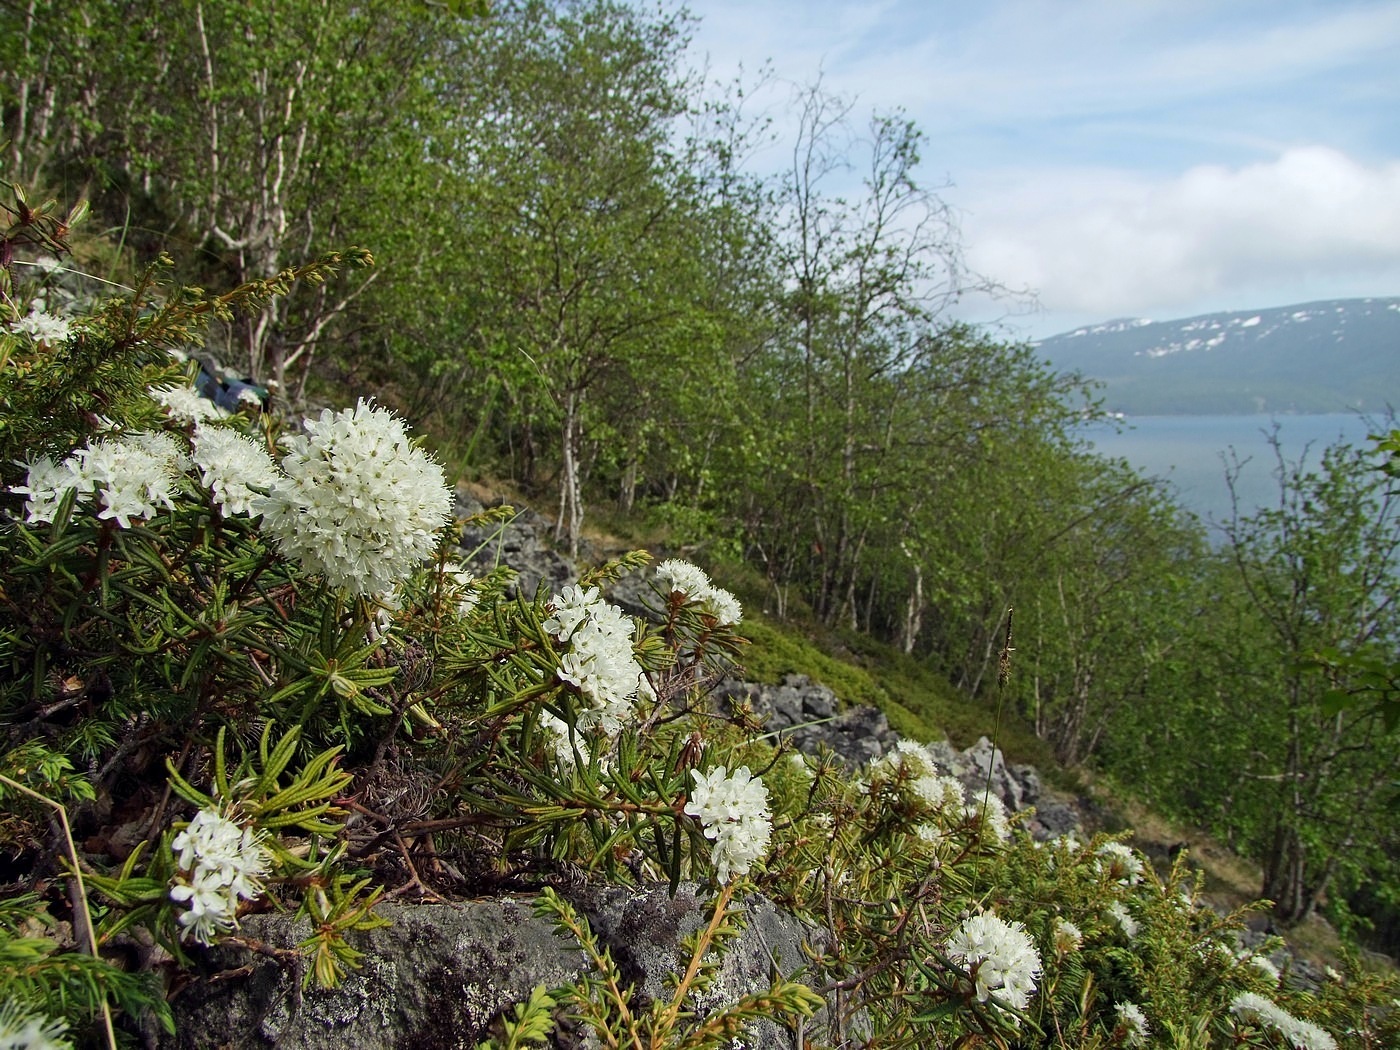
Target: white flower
[21,1030]
[235,468]
[1264,965]
[1302,1035]
[908,758]
[1125,921]
[570,608]
[1120,863]
[601,662]
[45,486]
[1067,936]
[911,771]
[681,577]
[358,503]
[222,862]
[723,606]
[43,327]
[132,477]
[1253,1008]
[209,908]
[988,814]
[733,810]
[929,835]
[998,955]
[690,581]
[1133,1024]
[457,582]
[938,792]
[185,405]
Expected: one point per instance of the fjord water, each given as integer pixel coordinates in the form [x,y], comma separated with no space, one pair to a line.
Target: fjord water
[1191,452]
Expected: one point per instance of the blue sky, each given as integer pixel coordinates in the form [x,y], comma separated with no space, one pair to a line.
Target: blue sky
[1118,157]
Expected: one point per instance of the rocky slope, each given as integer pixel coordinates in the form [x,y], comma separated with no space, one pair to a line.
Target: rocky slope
[439,973]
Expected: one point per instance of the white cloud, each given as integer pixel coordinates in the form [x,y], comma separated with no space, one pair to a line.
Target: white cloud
[1160,157]
[1104,242]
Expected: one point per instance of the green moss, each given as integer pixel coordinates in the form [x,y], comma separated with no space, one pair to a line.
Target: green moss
[918,702]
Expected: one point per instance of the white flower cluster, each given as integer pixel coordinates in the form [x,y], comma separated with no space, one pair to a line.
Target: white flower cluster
[1263,964]
[184,404]
[1132,1023]
[911,770]
[357,503]
[1118,911]
[354,500]
[22,1030]
[131,477]
[223,862]
[999,955]
[458,585]
[733,808]
[1067,936]
[234,468]
[1120,863]
[43,327]
[988,814]
[690,581]
[600,662]
[1255,1009]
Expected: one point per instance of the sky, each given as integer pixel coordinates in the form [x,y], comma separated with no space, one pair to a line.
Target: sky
[1117,158]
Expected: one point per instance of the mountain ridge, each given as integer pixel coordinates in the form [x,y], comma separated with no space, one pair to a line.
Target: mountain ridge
[1330,355]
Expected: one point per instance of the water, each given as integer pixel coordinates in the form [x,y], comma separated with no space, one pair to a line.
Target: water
[1191,452]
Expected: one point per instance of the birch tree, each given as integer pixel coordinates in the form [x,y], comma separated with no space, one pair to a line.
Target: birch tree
[266,133]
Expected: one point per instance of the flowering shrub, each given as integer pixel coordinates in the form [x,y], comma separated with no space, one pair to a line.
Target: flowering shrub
[257,642]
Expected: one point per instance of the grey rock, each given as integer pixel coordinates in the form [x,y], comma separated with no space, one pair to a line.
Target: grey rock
[523,544]
[434,978]
[643,929]
[1029,779]
[810,717]
[1052,819]
[438,975]
[635,595]
[949,759]
[986,769]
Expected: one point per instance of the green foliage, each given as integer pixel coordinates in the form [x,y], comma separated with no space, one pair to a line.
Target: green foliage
[188,638]
[1255,743]
[577,281]
[532,1023]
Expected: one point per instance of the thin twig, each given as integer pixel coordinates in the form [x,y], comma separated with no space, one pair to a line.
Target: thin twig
[82,890]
